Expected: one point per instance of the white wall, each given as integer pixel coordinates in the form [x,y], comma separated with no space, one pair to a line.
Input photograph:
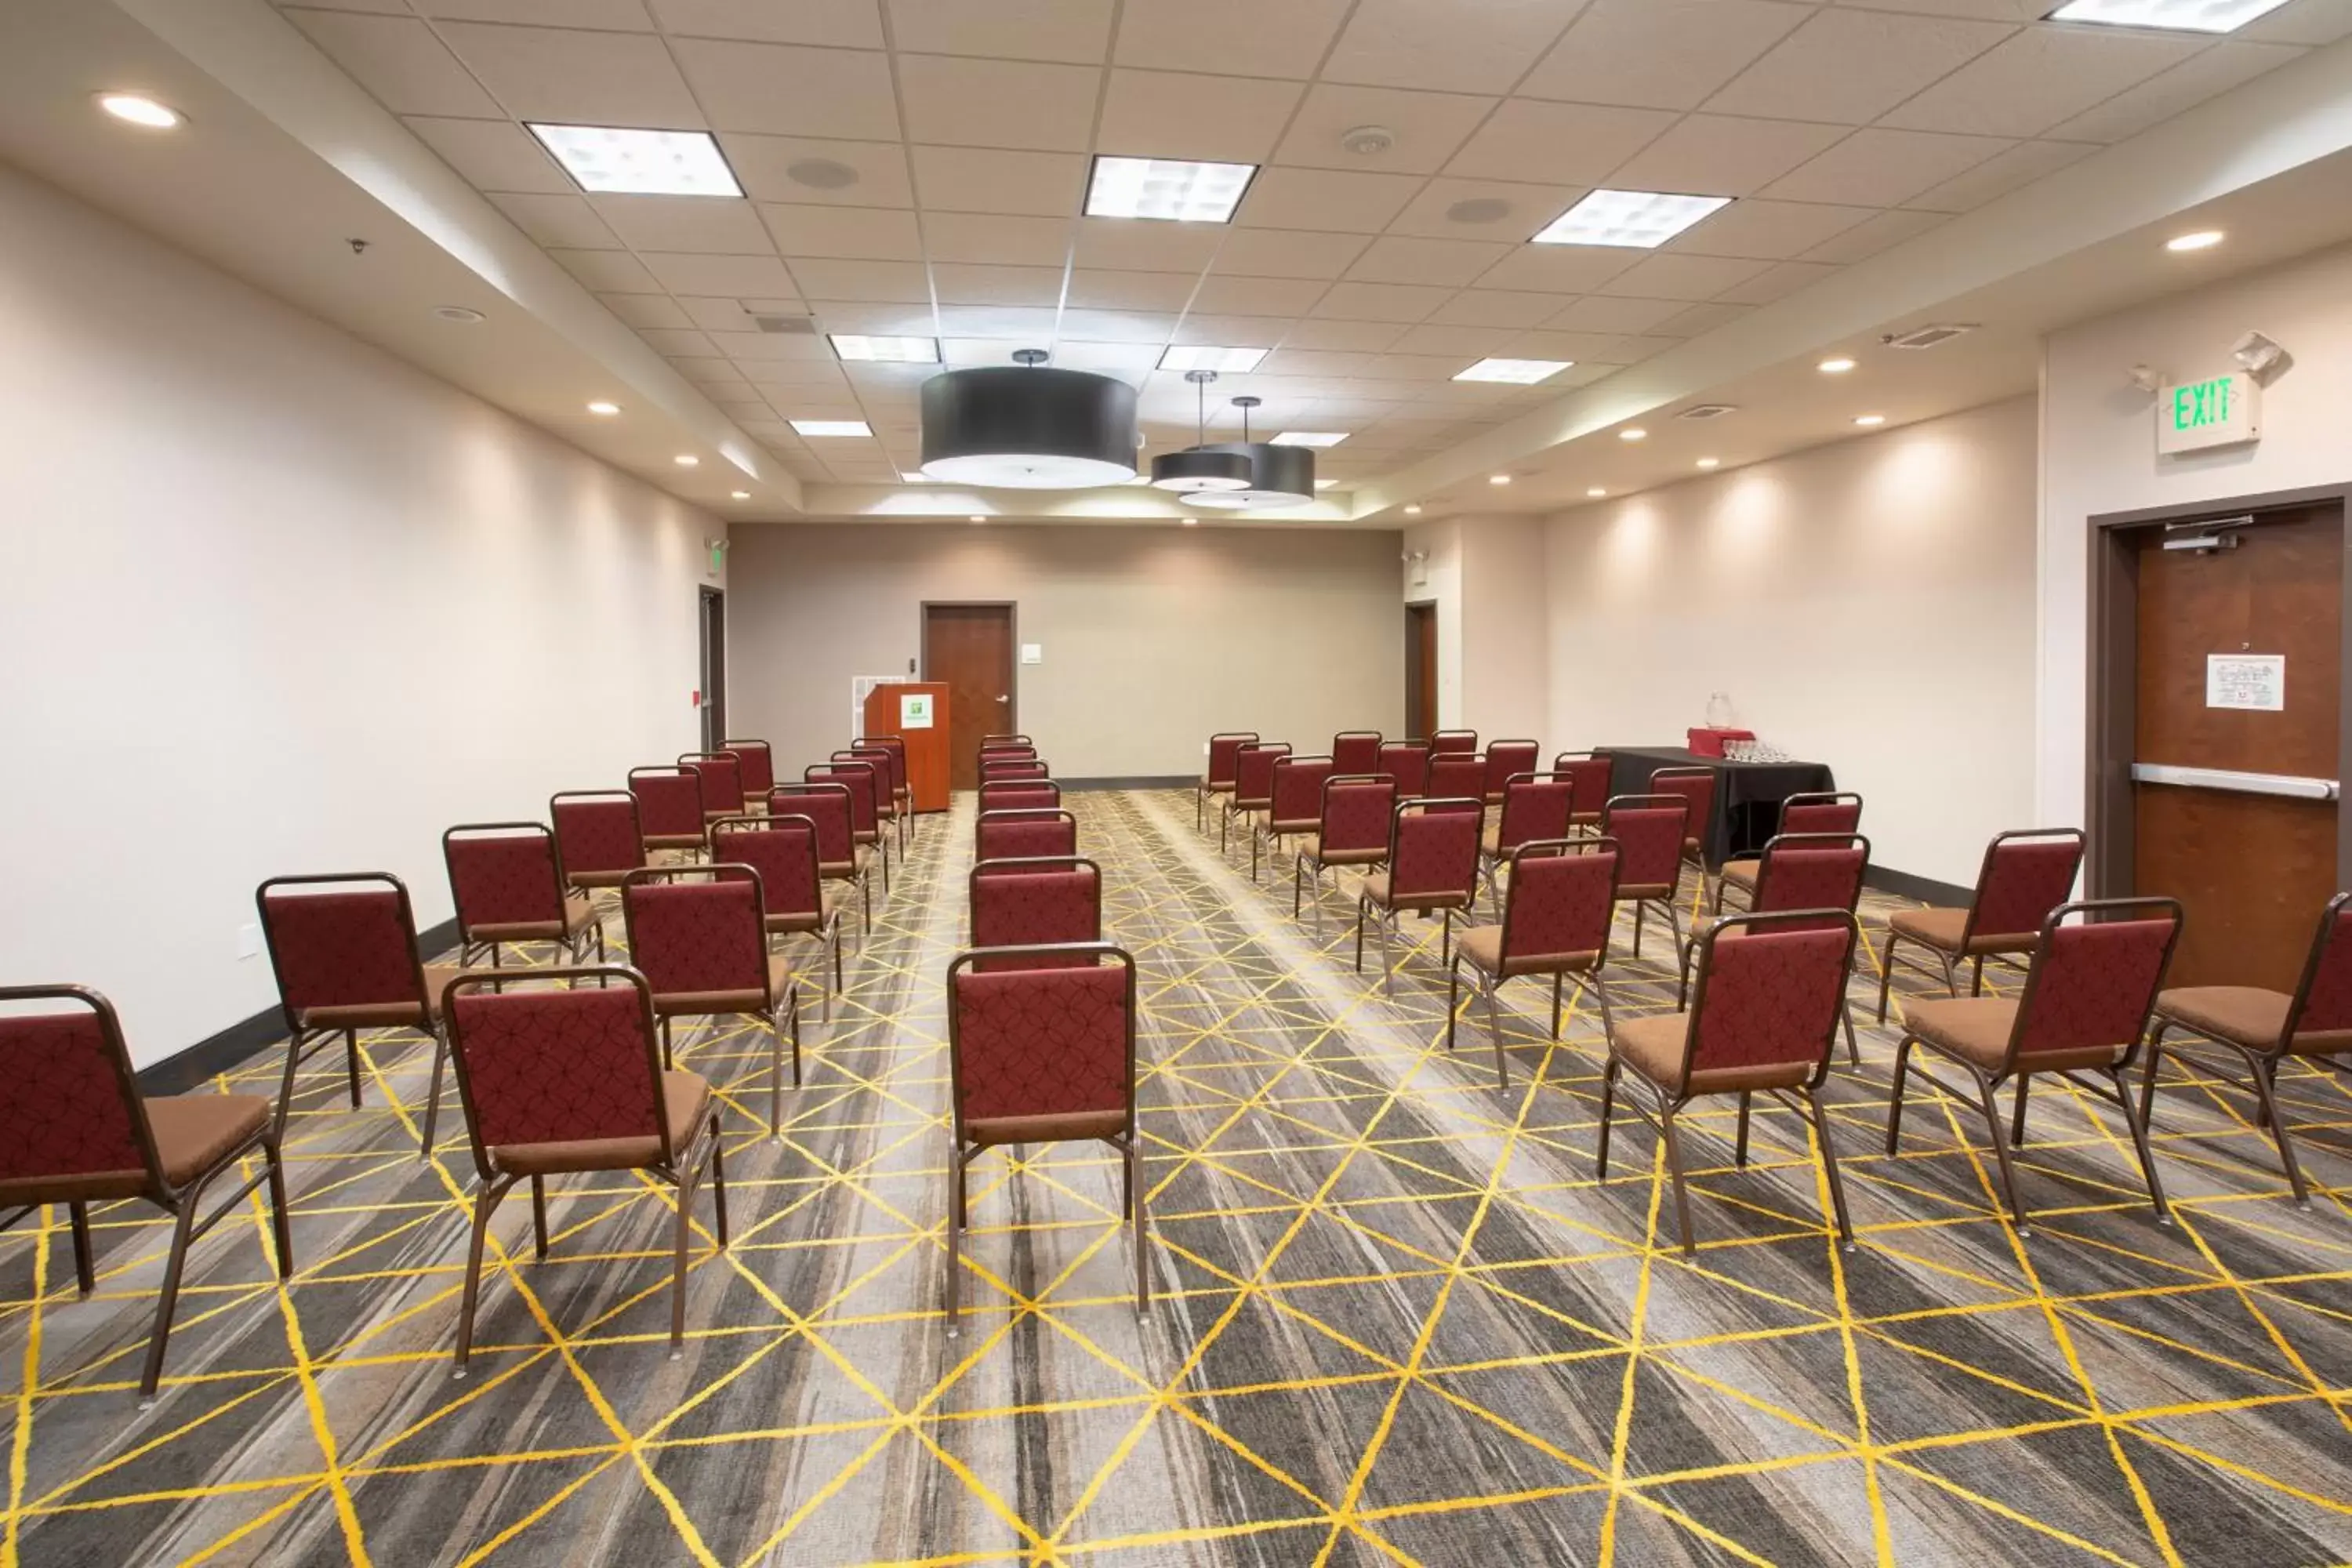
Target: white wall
[2099,450]
[1868,603]
[272,601]
[1486,576]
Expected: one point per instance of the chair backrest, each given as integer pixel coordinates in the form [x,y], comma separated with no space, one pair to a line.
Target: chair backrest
[1695,785]
[1589,773]
[756,761]
[1032,902]
[1506,758]
[1224,749]
[557,1066]
[1356,812]
[1769,992]
[1027,1041]
[1407,762]
[1535,806]
[669,801]
[2096,971]
[1811,871]
[1446,742]
[1649,830]
[1456,773]
[1025,834]
[831,806]
[988,741]
[72,1107]
[2027,872]
[1563,897]
[503,873]
[1356,751]
[596,830]
[896,745]
[1297,791]
[2323,997]
[696,929]
[722,779]
[1821,811]
[1434,848]
[1254,772]
[858,779]
[877,777]
[783,849]
[1019,795]
[885,762]
[1013,768]
[343,939]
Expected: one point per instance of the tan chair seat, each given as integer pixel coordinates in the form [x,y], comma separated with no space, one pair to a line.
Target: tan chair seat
[1940,929]
[685,1096]
[1584,819]
[2246,1016]
[579,913]
[1311,847]
[1644,890]
[673,840]
[804,920]
[1376,888]
[1653,1047]
[1062,1127]
[600,879]
[1285,827]
[1216,786]
[1741,873]
[387,1014]
[1977,1028]
[1483,946]
[843,870]
[194,1133]
[687,1004]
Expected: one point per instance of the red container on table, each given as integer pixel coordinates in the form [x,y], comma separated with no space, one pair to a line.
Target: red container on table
[1708,742]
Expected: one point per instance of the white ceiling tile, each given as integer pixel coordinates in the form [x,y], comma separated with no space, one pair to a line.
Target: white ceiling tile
[1465,343]
[685,223]
[1450,47]
[647,309]
[1381,301]
[1129,361]
[787,91]
[1576,144]
[1496,308]
[902,282]
[875,317]
[493,154]
[674,342]
[610,16]
[567,221]
[880,233]
[724,316]
[2224,65]
[764,349]
[709,369]
[1405,259]
[399,60]
[1117,326]
[1335,199]
[986,179]
[1008,321]
[837,24]
[1767,230]
[2310,22]
[1851,67]
[1494,209]
[1222,296]
[1397,366]
[1278,253]
[1147,245]
[1878,168]
[1231,332]
[1428,126]
[2002,173]
[765,165]
[1108,290]
[1011,29]
[576,78]
[608,271]
[1314,361]
[1215,118]
[1560,268]
[966,283]
[1777,281]
[736,275]
[1722,156]
[1868,238]
[998,103]
[2041,76]
[993,237]
[1607,313]
[1234,36]
[2018,11]
[1691,320]
[1660,54]
[1583,348]
[1365,337]
[1668,277]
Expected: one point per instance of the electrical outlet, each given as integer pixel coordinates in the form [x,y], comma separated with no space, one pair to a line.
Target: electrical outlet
[248,941]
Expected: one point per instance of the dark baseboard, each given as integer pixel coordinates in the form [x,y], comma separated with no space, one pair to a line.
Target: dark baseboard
[186,1072]
[1138,781]
[1926,890]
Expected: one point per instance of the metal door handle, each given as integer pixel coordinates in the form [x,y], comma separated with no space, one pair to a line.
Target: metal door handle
[1000,697]
[2287,784]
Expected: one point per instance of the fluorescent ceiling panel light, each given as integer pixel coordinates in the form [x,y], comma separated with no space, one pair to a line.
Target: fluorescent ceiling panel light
[1310,438]
[2173,16]
[885,351]
[1229,362]
[830,427]
[640,162]
[1641,219]
[1518,371]
[1167,188]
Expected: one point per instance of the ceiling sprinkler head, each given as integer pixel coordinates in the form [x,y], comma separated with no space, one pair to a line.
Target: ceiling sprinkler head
[1368,140]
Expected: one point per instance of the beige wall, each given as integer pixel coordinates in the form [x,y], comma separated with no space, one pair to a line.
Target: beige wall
[1486,576]
[2099,449]
[1153,638]
[271,601]
[1868,603]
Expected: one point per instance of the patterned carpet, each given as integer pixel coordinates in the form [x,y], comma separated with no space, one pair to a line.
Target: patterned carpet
[1398,1320]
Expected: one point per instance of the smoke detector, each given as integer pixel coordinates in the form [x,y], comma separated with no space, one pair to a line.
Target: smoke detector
[1708,411]
[820,173]
[1368,140]
[1927,337]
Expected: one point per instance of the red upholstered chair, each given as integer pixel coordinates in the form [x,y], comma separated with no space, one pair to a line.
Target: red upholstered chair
[2264,1027]
[1649,830]
[886,793]
[1296,807]
[1007,743]
[1407,762]
[1356,751]
[1591,774]
[1432,868]
[698,935]
[2089,991]
[2027,872]
[1802,871]
[1535,807]
[867,790]
[596,837]
[1353,830]
[75,1130]
[669,808]
[556,1082]
[1041,1055]
[1457,775]
[1022,834]
[1019,795]
[1449,742]
[1253,785]
[1771,990]
[1034,903]
[755,765]
[995,768]
[1506,759]
[343,949]
[784,850]
[507,880]
[1556,920]
[1697,786]
[1217,776]
[1824,811]
[722,782]
[833,808]
[902,793]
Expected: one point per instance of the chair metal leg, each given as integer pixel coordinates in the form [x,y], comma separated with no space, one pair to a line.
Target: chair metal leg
[955,1233]
[2140,1143]
[1986,1089]
[351,1063]
[1640,910]
[1298,887]
[1975,985]
[1363,908]
[167,1299]
[1674,1170]
[1830,1168]
[836,970]
[539,1218]
[85,1265]
[2148,1074]
[718,1180]
[485,1202]
[668,1060]
[1445,935]
[1491,983]
[433,1100]
[1388,933]
[1608,1109]
[1142,1226]
[2016,1122]
[677,1264]
[1556,979]
[2264,1071]
[1740,1148]
[1453,999]
[1894,1093]
[278,1224]
[1845,1018]
[1887,970]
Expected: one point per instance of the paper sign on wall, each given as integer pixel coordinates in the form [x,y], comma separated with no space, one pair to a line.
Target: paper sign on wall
[915,711]
[1033,653]
[2255,680]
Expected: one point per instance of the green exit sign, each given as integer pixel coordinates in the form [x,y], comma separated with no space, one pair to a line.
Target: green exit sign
[2219,411]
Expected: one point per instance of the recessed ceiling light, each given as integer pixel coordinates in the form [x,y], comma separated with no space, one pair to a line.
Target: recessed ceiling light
[1231,361]
[140,110]
[462,313]
[1596,492]
[976,517]
[885,351]
[1498,478]
[1310,438]
[1870,421]
[1837,367]
[1413,510]
[2203,239]
[1632,433]
[1521,371]
[1642,219]
[1190,521]
[1707,462]
[918,477]
[740,495]
[604,408]
[2176,16]
[1325,484]
[605,158]
[820,428]
[1167,188]
[686,460]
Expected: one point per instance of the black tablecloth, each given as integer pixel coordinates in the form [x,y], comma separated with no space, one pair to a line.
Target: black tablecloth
[1748,796]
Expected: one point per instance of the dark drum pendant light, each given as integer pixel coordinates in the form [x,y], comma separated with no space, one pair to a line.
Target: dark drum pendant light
[1279,475]
[1030,430]
[1201,468]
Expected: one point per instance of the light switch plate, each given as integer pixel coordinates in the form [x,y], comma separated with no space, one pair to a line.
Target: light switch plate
[1033,653]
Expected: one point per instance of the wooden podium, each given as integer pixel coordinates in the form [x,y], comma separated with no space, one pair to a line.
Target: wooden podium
[888,712]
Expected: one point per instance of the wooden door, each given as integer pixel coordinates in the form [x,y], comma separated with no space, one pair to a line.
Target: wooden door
[2252,870]
[714,668]
[1420,672]
[969,648]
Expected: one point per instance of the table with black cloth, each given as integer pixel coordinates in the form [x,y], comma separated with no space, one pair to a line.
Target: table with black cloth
[1748,796]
